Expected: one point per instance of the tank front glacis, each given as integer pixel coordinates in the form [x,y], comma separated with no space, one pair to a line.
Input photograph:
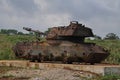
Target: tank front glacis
[65,44]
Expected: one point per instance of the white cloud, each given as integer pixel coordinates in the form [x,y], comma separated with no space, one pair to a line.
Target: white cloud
[42,4]
[101,15]
[110,4]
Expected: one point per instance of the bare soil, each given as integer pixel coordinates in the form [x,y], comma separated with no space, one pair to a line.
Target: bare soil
[13,73]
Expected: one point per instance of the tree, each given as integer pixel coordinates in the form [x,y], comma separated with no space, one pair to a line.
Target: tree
[8,31]
[97,37]
[20,33]
[4,31]
[47,31]
[111,36]
[12,31]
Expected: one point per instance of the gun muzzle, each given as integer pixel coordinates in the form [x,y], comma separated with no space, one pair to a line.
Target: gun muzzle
[28,29]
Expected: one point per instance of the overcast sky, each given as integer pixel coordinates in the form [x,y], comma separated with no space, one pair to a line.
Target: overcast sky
[103,16]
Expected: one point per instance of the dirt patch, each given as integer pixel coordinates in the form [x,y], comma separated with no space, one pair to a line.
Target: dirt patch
[13,73]
[4,69]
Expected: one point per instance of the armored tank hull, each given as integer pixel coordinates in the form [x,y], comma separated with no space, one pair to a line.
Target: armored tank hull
[64,51]
[63,43]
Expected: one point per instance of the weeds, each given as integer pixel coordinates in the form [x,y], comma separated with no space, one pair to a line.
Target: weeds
[107,77]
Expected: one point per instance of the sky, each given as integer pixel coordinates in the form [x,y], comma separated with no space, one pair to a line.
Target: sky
[102,16]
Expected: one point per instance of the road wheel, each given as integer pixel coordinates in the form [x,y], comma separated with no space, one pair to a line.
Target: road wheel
[65,60]
[40,58]
[32,60]
[69,62]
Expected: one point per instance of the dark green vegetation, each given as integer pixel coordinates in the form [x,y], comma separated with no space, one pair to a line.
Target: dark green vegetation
[106,77]
[10,31]
[110,77]
[7,41]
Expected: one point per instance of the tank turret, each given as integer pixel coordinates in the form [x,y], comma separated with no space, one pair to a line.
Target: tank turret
[74,31]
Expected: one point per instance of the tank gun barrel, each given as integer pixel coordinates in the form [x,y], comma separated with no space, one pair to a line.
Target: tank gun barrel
[35,31]
[27,29]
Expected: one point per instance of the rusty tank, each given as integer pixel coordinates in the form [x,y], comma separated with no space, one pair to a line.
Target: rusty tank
[63,43]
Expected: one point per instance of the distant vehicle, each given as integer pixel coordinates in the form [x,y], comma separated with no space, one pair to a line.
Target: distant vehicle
[64,43]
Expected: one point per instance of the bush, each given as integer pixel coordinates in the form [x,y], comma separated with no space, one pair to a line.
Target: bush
[111,36]
[110,77]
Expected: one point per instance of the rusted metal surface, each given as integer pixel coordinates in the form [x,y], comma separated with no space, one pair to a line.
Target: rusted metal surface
[74,31]
[36,31]
[65,44]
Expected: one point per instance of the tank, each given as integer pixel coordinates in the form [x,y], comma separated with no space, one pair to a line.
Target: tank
[63,43]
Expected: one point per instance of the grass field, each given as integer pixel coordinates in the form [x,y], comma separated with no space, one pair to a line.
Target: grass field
[7,41]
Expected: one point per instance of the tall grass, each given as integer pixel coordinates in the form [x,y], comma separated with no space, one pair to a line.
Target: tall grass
[7,42]
[106,77]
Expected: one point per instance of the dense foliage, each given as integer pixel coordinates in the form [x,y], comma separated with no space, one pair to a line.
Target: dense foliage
[111,36]
[10,31]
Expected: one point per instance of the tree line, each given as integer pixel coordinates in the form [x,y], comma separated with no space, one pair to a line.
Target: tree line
[110,36]
[10,32]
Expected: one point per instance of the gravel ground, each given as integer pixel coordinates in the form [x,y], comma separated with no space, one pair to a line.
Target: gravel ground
[47,74]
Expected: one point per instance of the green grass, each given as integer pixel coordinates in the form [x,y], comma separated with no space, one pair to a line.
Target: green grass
[107,77]
[7,42]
